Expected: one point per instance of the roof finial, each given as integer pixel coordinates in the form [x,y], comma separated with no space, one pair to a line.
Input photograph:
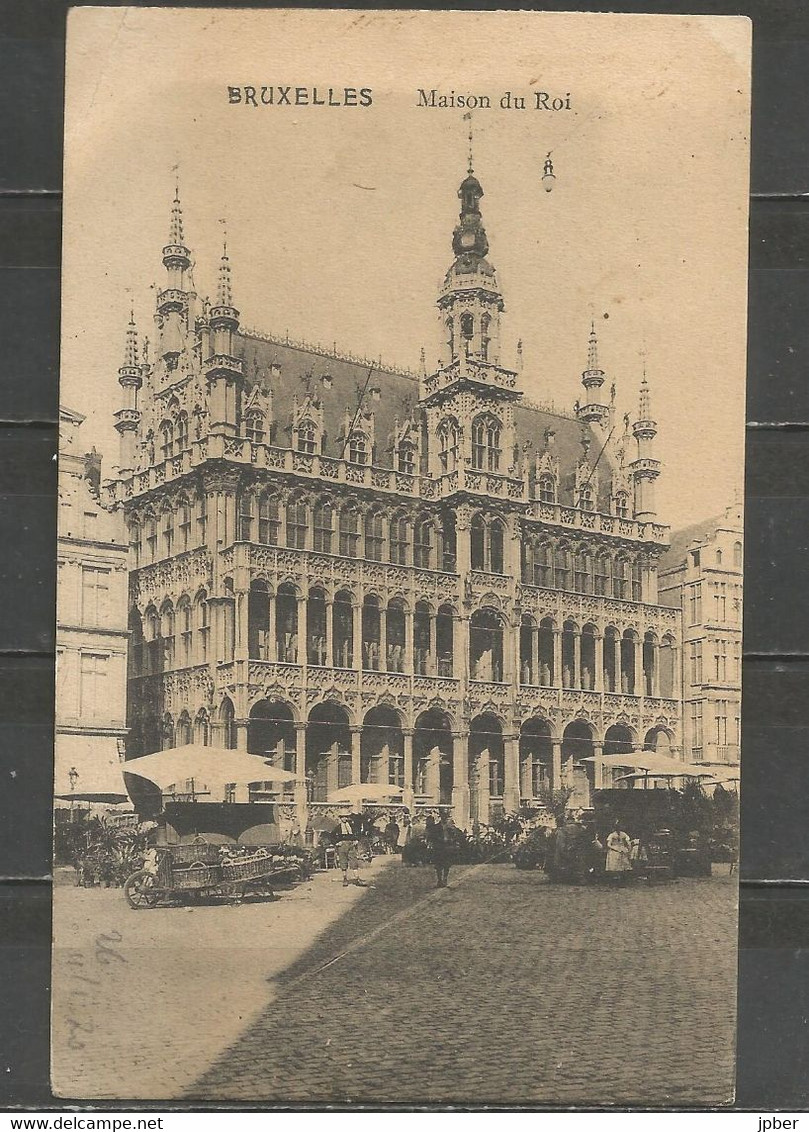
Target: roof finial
[592,348]
[645,411]
[131,349]
[176,227]
[470,168]
[224,293]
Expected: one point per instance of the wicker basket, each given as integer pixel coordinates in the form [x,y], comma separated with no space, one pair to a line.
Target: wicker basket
[247,870]
[196,876]
[195,853]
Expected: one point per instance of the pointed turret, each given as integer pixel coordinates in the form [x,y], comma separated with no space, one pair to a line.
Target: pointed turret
[593,411]
[176,256]
[645,469]
[130,379]
[225,371]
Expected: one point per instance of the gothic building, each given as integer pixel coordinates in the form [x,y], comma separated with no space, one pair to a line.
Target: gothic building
[384,576]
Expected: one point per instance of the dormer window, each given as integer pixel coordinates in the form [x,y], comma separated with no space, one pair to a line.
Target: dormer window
[621,505]
[407,458]
[358,448]
[586,497]
[307,437]
[254,427]
[547,488]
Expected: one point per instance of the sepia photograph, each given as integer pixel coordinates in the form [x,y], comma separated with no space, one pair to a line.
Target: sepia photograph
[400,558]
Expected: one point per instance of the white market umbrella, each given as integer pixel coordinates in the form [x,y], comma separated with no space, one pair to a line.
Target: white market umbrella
[366,792]
[215,766]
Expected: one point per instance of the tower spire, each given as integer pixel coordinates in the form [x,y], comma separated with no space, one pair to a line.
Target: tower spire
[131,347]
[176,256]
[470,167]
[645,468]
[592,348]
[176,224]
[130,379]
[224,295]
[593,379]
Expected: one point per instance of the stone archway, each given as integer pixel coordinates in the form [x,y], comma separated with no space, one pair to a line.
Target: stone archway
[382,747]
[432,757]
[329,763]
[486,767]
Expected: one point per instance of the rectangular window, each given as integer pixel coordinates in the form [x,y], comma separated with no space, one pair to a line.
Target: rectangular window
[93,686]
[721,719]
[95,595]
[695,603]
[696,662]
[695,719]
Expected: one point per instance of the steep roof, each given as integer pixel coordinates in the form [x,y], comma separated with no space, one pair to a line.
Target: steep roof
[301,368]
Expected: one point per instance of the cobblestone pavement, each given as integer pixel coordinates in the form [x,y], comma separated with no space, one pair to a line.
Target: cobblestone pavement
[144,1001]
[501,989]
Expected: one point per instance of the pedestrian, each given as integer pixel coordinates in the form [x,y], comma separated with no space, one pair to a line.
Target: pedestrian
[392,836]
[347,854]
[439,839]
[619,853]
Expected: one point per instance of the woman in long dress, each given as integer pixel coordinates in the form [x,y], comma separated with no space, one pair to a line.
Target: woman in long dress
[619,852]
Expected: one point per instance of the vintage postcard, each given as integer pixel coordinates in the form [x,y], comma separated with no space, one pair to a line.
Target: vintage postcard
[400,557]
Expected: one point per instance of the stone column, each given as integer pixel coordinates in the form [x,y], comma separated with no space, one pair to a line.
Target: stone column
[598,766]
[656,670]
[577,659]
[432,655]
[460,779]
[383,639]
[638,688]
[677,673]
[557,658]
[618,666]
[329,634]
[407,737]
[511,788]
[270,648]
[301,808]
[356,733]
[408,642]
[556,764]
[240,727]
[240,648]
[535,654]
[302,635]
[356,634]
[598,675]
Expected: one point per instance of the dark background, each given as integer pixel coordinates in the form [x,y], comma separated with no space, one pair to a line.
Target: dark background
[773,1056]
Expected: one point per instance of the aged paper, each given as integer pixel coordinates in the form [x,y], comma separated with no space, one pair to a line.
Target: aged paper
[400,557]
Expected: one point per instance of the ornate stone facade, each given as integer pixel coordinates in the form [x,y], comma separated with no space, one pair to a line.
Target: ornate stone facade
[381,576]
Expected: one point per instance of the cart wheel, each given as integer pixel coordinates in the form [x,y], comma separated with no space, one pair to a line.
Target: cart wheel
[138,892]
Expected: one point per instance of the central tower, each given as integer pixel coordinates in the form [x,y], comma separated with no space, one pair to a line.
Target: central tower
[470,303]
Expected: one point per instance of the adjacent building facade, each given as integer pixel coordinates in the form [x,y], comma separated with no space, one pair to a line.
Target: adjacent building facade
[91,629]
[382,576]
[702,574]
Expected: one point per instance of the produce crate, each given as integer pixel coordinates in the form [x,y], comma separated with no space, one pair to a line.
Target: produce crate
[196,876]
[194,853]
[247,870]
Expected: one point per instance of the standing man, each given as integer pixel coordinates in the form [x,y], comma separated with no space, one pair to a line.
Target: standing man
[347,856]
[439,839]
